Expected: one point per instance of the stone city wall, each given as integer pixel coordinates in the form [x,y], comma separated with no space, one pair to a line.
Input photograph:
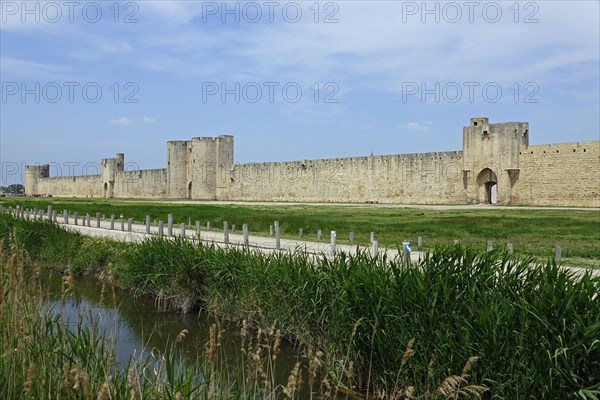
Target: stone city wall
[565,174]
[71,186]
[151,183]
[427,178]
[142,184]
[497,164]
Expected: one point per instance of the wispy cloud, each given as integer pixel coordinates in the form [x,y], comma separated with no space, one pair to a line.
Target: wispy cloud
[129,121]
[171,37]
[123,121]
[32,69]
[370,53]
[98,47]
[172,13]
[418,126]
[385,57]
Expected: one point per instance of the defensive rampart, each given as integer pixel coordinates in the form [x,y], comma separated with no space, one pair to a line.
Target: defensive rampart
[426,178]
[496,165]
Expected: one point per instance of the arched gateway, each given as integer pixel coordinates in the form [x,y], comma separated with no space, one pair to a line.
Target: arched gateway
[487,187]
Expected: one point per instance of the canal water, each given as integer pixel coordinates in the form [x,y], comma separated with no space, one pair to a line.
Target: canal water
[139,329]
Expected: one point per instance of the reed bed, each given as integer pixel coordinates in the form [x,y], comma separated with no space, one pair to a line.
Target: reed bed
[44,356]
[384,328]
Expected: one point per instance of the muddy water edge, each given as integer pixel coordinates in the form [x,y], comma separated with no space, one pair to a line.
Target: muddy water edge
[138,328]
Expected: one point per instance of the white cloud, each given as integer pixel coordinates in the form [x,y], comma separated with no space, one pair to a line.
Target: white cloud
[22,67]
[123,121]
[172,13]
[417,126]
[371,45]
[98,47]
[128,121]
[388,55]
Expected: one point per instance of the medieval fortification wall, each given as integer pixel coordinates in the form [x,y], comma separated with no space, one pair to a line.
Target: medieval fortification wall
[71,186]
[427,178]
[562,174]
[496,165]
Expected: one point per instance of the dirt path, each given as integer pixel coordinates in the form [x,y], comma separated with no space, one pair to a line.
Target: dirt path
[260,243]
[120,231]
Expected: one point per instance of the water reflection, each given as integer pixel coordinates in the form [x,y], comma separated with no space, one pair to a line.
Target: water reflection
[136,327]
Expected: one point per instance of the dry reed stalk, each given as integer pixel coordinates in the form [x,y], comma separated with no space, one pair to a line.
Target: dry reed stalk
[28,380]
[104,392]
[407,353]
[293,381]
[276,344]
[243,335]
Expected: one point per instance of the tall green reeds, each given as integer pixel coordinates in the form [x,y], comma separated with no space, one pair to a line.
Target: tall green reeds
[534,329]
[43,356]
[530,332]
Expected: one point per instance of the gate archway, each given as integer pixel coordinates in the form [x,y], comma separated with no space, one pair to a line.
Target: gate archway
[487,187]
[107,190]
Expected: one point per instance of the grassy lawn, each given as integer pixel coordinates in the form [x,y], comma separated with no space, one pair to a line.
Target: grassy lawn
[533,232]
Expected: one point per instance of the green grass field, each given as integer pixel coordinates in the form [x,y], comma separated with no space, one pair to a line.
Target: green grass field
[533,232]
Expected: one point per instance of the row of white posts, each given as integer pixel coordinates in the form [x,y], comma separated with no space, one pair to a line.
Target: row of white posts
[85,220]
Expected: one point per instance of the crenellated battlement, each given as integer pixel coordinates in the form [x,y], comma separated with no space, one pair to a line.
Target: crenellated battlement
[561,148]
[496,165]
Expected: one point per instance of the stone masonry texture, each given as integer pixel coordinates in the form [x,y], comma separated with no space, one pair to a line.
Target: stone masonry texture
[496,165]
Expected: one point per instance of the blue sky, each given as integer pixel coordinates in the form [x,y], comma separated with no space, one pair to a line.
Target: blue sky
[290,80]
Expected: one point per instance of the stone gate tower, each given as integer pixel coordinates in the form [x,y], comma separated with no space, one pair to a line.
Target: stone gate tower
[491,159]
[110,168]
[194,165]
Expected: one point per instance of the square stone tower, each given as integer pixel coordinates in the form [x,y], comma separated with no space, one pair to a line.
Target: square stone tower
[491,159]
[193,166]
[33,174]
[110,168]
